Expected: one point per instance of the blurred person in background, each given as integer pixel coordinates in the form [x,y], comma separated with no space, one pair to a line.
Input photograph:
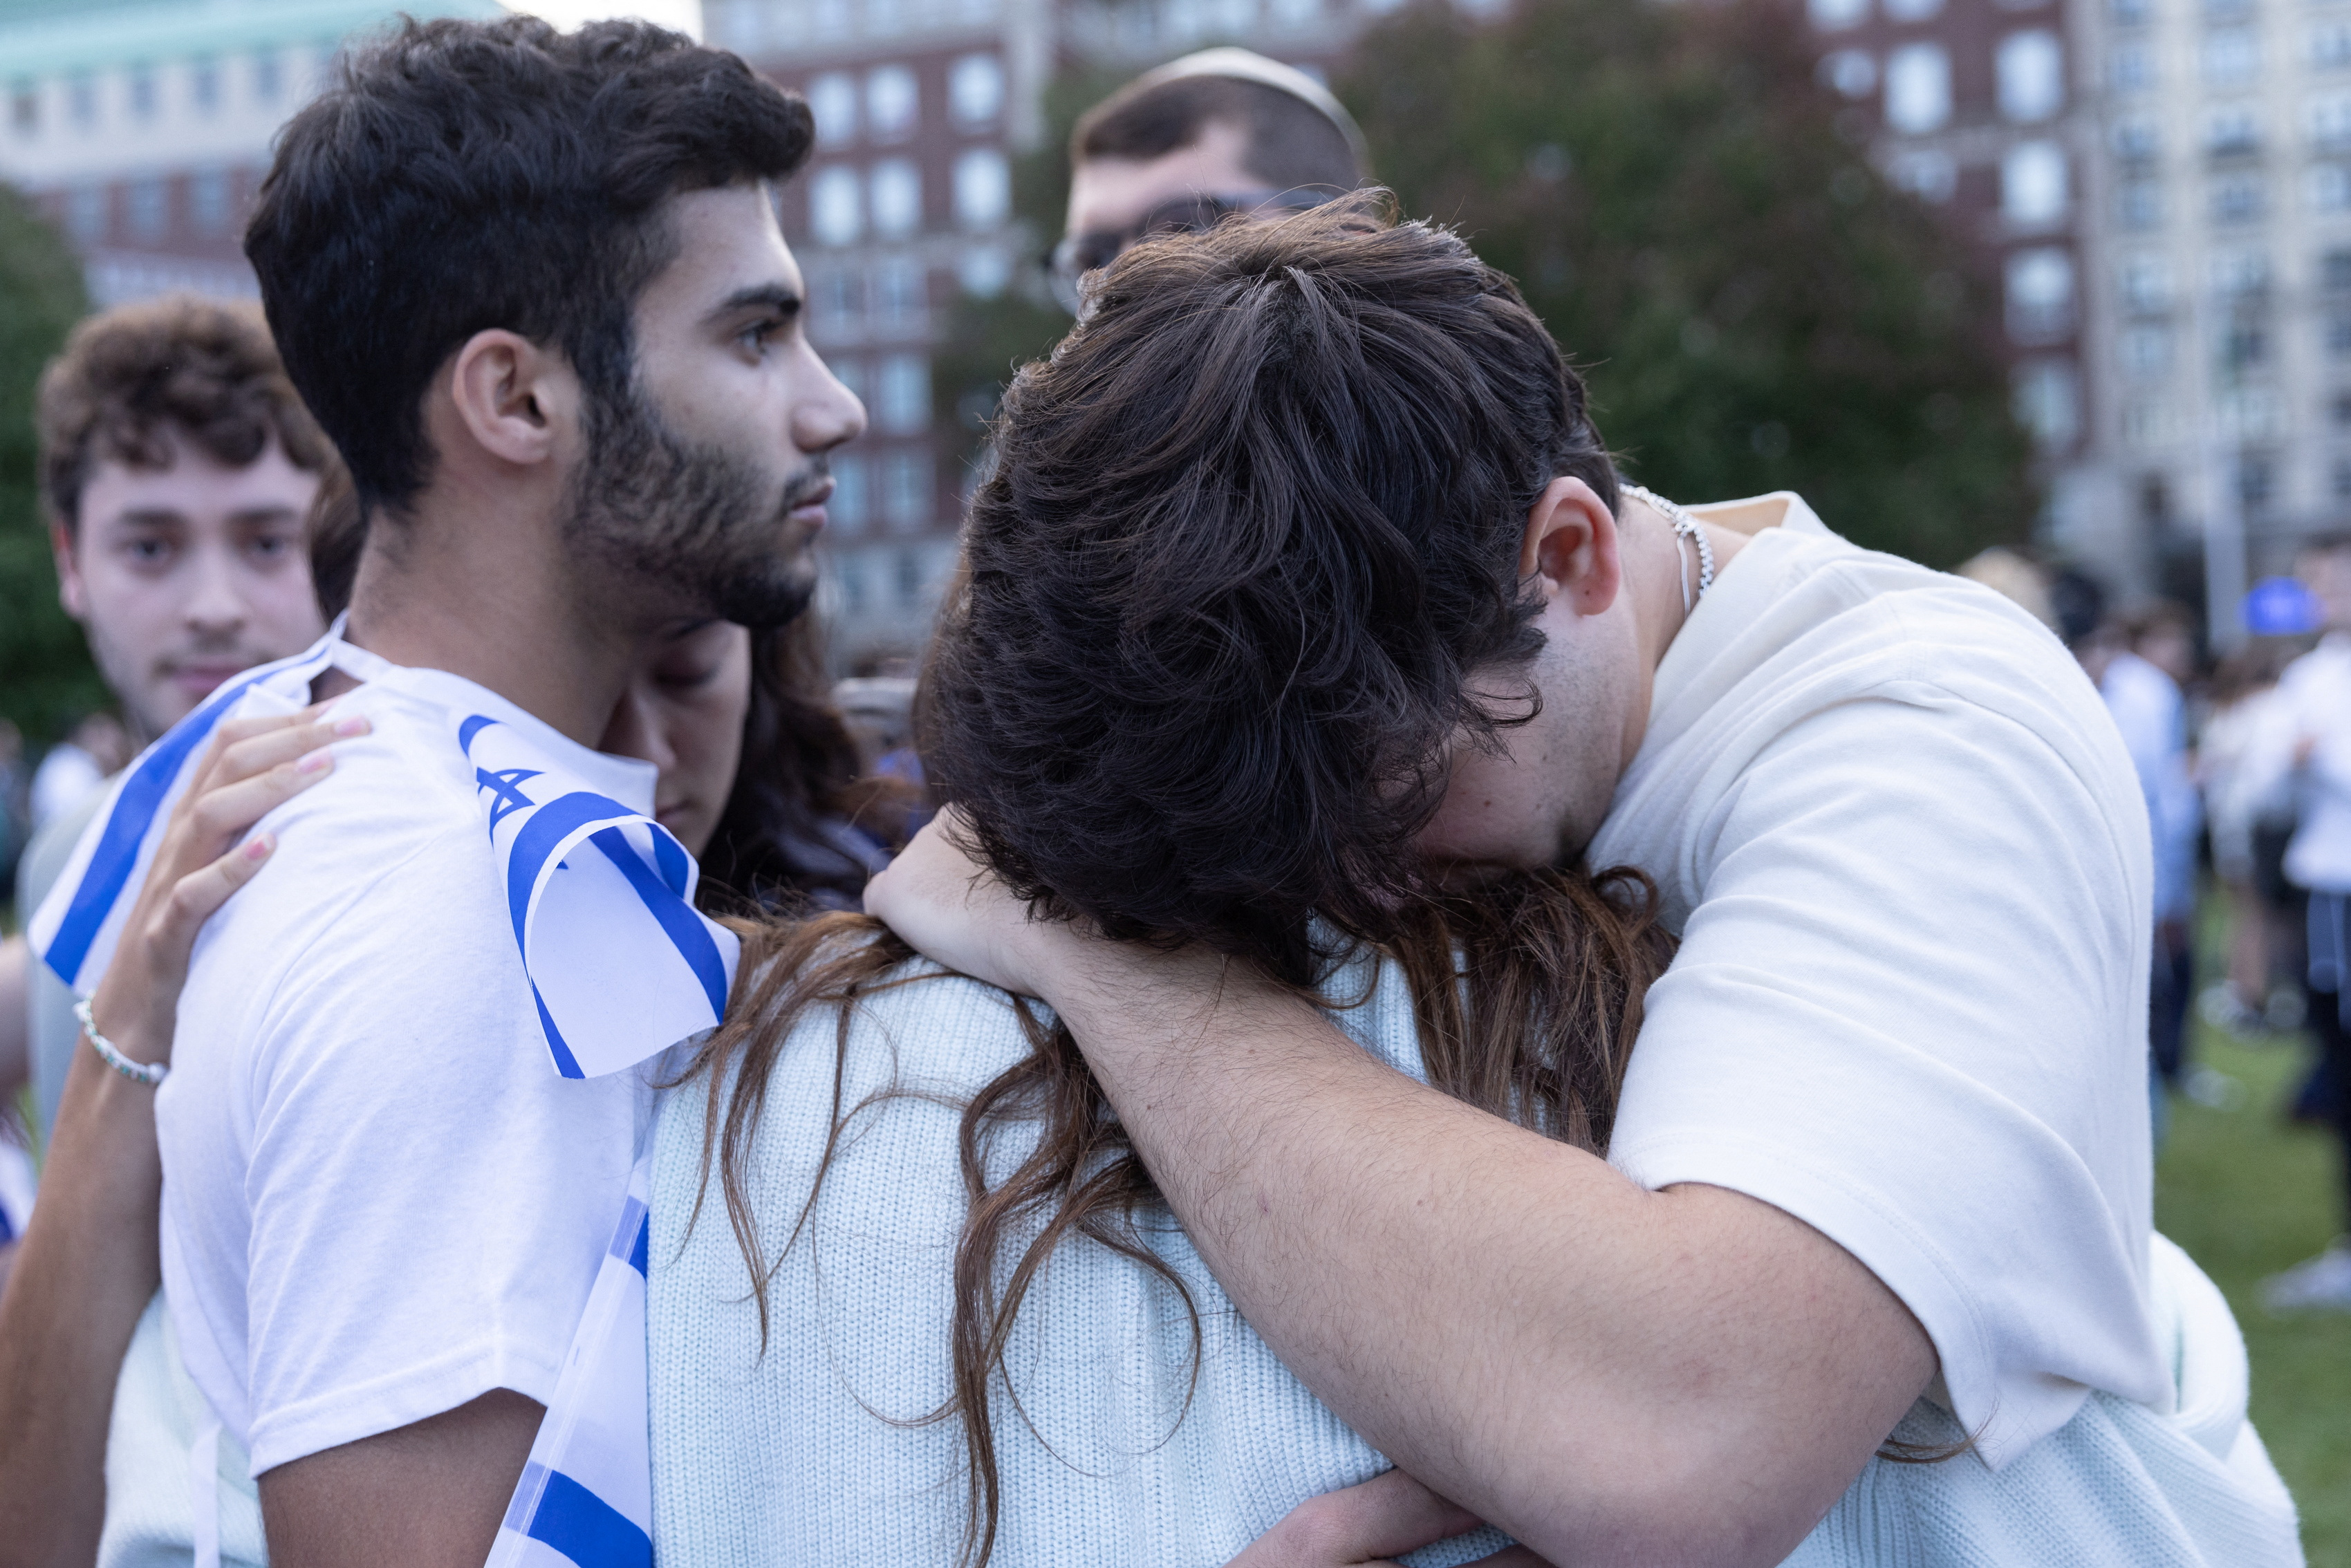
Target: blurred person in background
[2143,664]
[73,770]
[2313,746]
[1224,130]
[2248,805]
[177,466]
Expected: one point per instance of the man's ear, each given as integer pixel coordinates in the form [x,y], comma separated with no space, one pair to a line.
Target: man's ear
[1570,547]
[518,401]
[72,593]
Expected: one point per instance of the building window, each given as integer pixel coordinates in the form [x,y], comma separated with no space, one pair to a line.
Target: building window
[2338,335]
[2232,132]
[208,202]
[1930,173]
[2239,199]
[2137,141]
[983,189]
[2330,188]
[2048,402]
[892,103]
[2130,68]
[204,85]
[1851,72]
[901,400]
[901,296]
[2145,350]
[976,91]
[142,92]
[834,215]
[2128,13]
[1918,89]
[909,578]
[2244,345]
[850,374]
[2030,72]
[2233,56]
[2342,478]
[269,76]
[2138,205]
[1836,15]
[81,100]
[2033,183]
[2242,274]
[147,209]
[2256,481]
[2330,121]
[2145,284]
[906,490]
[2335,272]
[896,198]
[848,508]
[1917,10]
[2340,410]
[2040,294]
[833,103]
[2330,47]
[85,213]
[836,300]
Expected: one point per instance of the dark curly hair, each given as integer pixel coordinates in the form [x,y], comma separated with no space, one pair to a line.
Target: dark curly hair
[1250,537]
[131,377]
[462,176]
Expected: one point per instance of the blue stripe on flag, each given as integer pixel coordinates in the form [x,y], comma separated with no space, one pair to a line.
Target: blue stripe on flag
[567,1065]
[632,1220]
[586,1529]
[117,854]
[548,827]
[682,926]
[640,1255]
[669,857]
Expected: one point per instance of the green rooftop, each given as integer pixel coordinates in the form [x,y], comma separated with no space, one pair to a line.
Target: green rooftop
[51,38]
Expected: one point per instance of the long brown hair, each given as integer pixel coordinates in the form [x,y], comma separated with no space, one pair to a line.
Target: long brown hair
[1248,538]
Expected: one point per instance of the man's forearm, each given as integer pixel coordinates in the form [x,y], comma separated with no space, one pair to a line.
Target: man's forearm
[1609,1373]
[84,1272]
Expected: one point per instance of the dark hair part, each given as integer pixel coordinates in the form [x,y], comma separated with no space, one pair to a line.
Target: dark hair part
[460,176]
[129,378]
[1248,538]
[803,819]
[1290,141]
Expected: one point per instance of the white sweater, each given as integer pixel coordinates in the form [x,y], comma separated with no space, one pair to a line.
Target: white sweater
[814,1451]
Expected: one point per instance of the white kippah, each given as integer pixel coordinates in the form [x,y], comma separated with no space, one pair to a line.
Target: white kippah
[1248,65]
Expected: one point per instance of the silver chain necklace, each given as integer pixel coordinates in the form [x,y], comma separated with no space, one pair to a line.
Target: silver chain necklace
[1685,527]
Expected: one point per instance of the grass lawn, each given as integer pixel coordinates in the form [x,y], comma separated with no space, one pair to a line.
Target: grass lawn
[2246,1194]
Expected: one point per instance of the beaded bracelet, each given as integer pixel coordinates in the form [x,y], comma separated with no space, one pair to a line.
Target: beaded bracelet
[150,1073]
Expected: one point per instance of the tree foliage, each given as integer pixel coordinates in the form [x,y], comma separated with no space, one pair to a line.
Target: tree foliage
[1755,308]
[46,676]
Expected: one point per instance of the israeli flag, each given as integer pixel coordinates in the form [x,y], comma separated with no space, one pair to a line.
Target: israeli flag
[76,928]
[586,1498]
[620,963]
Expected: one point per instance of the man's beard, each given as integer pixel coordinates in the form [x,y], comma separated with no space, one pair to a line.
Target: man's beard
[695,518]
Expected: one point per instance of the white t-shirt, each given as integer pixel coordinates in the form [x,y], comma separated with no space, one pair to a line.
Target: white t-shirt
[2316,692]
[380,1200]
[1909,862]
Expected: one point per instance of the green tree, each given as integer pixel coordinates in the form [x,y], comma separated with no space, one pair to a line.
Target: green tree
[46,676]
[1754,308]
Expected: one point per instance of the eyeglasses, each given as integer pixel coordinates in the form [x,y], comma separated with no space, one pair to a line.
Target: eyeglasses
[1078,255]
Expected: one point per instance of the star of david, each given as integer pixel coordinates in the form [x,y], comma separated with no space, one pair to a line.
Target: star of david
[506,784]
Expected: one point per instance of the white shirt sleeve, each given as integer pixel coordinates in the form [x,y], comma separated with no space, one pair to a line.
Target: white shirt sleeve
[1909,1009]
[427,1200]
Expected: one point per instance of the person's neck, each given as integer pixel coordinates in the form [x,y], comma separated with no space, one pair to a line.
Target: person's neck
[487,593]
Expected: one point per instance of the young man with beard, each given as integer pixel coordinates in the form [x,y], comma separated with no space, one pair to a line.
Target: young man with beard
[1879,1161]
[532,286]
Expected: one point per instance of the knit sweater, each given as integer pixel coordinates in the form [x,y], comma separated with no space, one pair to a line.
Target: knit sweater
[813,1447]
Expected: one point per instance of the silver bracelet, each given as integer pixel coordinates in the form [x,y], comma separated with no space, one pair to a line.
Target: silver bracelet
[150,1073]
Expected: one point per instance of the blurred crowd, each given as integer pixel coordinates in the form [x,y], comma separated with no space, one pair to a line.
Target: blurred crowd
[2244,761]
